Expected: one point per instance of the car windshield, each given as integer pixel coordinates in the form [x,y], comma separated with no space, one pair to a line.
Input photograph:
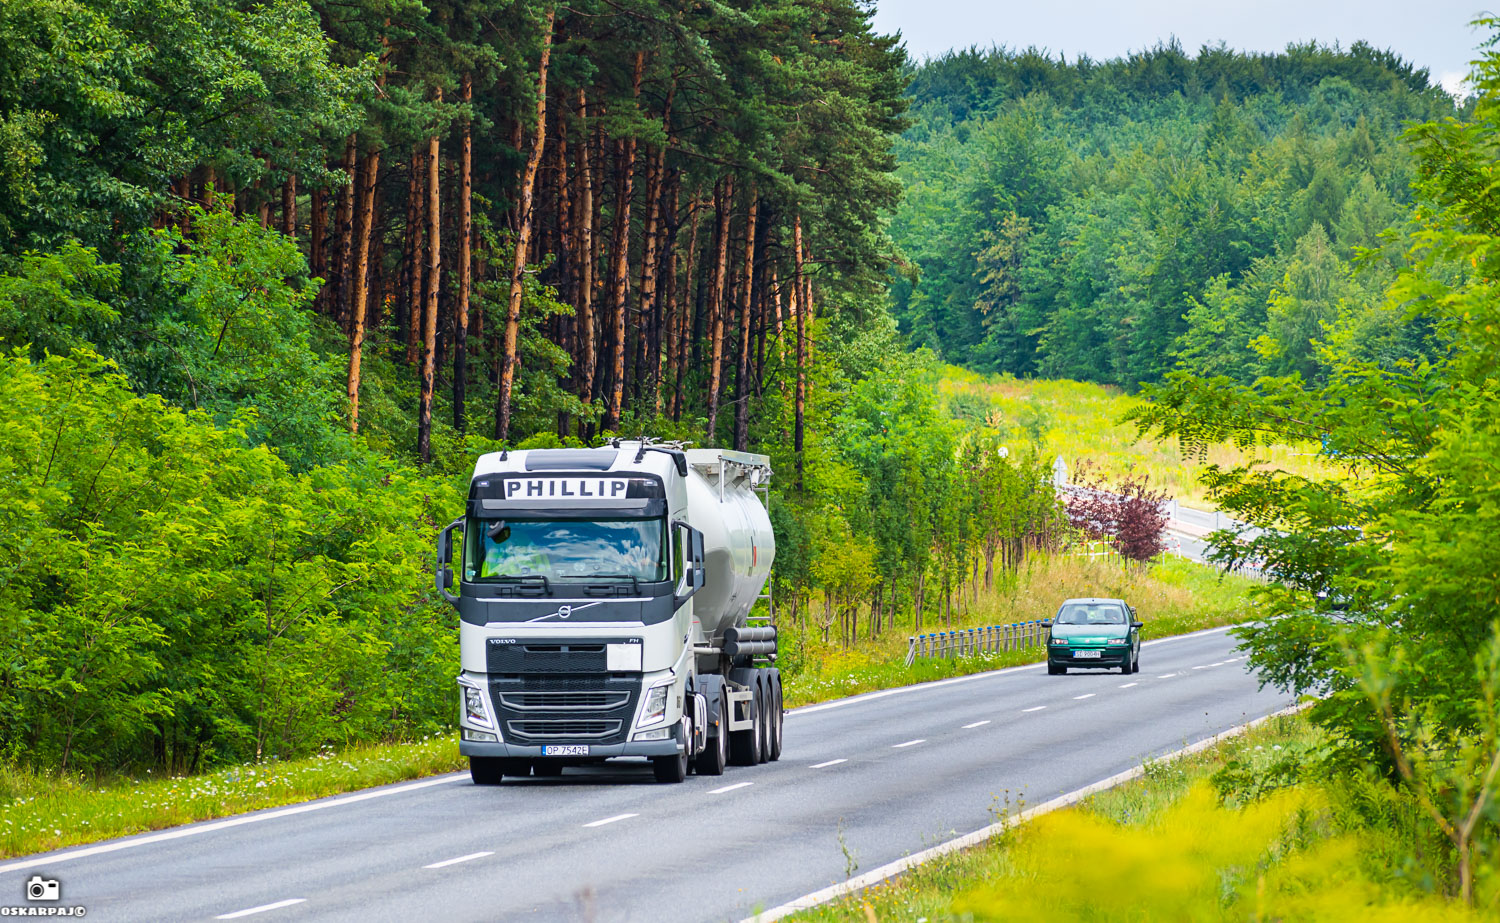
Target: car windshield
[1091,614]
[574,549]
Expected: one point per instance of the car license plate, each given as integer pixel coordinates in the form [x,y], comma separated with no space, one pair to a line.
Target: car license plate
[1086,655]
[566,750]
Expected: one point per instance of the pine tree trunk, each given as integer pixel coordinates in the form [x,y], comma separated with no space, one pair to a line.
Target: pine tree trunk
[339,307]
[747,295]
[408,319]
[687,320]
[619,277]
[289,206]
[465,264]
[801,312]
[317,246]
[523,238]
[360,276]
[584,294]
[648,333]
[663,345]
[430,302]
[723,200]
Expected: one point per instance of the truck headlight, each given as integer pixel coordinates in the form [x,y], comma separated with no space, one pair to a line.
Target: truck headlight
[657,734]
[656,705]
[484,737]
[474,708]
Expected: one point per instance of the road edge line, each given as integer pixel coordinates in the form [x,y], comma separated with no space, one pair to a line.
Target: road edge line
[891,869]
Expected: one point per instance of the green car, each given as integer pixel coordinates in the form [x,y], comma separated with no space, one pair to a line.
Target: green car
[1094,633]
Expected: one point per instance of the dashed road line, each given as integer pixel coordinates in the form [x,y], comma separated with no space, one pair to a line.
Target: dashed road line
[827,764]
[447,862]
[730,788]
[1166,676]
[909,743]
[976,724]
[1086,695]
[1034,708]
[1128,685]
[1203,667]
[261,909]
[610,820]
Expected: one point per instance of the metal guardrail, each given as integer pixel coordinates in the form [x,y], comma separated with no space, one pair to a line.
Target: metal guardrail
[990,638]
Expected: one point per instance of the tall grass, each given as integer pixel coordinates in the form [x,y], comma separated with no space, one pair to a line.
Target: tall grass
[1079,421]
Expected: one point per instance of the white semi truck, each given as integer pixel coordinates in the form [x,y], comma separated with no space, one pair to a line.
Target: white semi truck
[605,599]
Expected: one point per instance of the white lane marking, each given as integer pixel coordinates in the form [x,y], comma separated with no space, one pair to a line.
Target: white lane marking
[1036,708]
[1219,664]
[231,822]
[261,909]
[472,855]
[976,724]
[827,764]
[1086,695]
[909,743]
[610,820]
[1128,685]
[1203,667]
[730,788]
[935,684]
[876,876]
[1166,676]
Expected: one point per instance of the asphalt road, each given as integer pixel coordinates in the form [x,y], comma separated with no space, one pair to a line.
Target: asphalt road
[862,781]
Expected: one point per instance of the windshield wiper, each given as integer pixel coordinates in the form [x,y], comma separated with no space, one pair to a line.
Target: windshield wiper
[635,583]
[525,579]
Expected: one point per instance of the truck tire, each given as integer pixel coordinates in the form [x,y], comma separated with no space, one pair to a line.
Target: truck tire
[716,751]
[744,746]
[673,768]
[777,715]
[486,770]
[765,710]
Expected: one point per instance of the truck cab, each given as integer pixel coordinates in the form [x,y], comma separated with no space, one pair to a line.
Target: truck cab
[577,572]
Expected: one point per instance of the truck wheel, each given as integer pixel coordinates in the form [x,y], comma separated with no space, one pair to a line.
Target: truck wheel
[744,746]
[486,770]
[711,761]
[777,715]
[766,713]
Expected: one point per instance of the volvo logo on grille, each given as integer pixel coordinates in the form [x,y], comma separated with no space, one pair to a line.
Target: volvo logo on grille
[561,613]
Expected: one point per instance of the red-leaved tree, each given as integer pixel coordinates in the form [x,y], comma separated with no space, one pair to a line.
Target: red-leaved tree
[1128,514]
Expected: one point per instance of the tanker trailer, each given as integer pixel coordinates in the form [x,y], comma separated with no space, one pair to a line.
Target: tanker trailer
[604,599]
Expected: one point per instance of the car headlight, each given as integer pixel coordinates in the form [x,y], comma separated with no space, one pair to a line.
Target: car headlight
[656,705]
[474,708]
[1117,641]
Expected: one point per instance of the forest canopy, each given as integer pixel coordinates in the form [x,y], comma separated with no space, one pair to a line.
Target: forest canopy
[1106,221]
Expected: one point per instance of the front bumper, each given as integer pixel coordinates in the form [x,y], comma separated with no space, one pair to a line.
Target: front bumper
[672,746]
[1108,657]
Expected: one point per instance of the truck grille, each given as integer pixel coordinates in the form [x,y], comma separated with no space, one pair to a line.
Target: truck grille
[603,701]
[563,730]
[594,708]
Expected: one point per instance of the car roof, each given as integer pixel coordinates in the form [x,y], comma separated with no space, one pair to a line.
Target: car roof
[1090,600]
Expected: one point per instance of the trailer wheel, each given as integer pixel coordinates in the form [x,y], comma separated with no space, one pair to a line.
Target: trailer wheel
[486,770]
[765,709]
[777,715]
[744,746]
[711,761]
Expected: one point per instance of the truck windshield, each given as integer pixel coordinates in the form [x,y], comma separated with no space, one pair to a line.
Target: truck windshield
[574,549]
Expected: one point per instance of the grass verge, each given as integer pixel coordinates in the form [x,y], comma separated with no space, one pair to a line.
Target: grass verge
[1186,841]
[44,812]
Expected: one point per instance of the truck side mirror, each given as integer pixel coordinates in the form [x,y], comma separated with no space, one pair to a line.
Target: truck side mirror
[444,570]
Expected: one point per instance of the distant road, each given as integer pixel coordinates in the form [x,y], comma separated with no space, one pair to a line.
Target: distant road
[862,782]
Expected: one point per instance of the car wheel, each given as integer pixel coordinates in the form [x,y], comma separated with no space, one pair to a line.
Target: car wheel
[1135,663]
[1127,666]
[1055,670]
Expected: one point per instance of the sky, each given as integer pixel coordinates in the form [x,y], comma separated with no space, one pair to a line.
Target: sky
[1434,34]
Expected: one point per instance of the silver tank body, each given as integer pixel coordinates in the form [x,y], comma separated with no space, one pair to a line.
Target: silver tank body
[738,543]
